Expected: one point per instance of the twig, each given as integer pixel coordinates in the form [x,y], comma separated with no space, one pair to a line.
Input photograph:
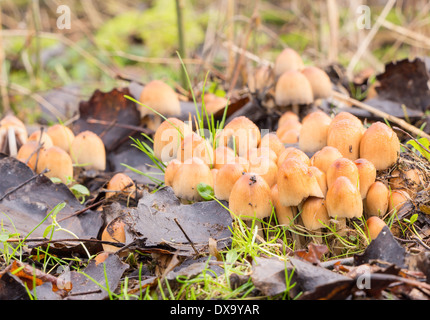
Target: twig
[186,236]
[45,241]
[82,210]
[422,146]
[23,184]
[381,114]
[417,239]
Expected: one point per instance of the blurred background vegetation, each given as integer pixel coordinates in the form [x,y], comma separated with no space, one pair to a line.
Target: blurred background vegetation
[113,42]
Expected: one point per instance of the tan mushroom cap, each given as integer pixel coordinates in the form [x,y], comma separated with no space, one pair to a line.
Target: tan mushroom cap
[314,214]
[290,136]
[323,158]
[293,88]
[380,145]
[408,179]
[170,171]
[266,168]
[225,179]
[284,215]
[292,152]
[346,137]
[288,60]
[192,172]
[286,116]
[314,130]
[61,136]
[28,152]
[321,178]
[272,141]
[320,82]
[243,132]
[114,232]
[296,182]
[262,79]
[159,96]
[374,227]
[397,199]
[88,149]
[250,197]
[343,199]
[120,182]
[194,146]
[222,156]
[12,122]
[262,151]
[344,115]
[168,138]
[45,140]
[376,202]
[343,167]
[58,162]
[367,175]
[213,103]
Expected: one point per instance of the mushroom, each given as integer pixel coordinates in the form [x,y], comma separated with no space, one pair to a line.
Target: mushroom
[292,152]
[343,201]
[250,199]
[296,182]
[213,103]
[120,183]
[114,232]
[272,141]
[61,136]
[170,171]
[222,156]
[345,136]
[159,96]
[264,167]
[58,163]
[293,89]
[396,200]
[321,178]
[343,167]
[28,154]
[240,134]
[194,146]
[192,172]
[41,136]
[320,82]
[407,179]
[344,115]
[374,227]
[367,175]
[376,202]
[323,158]
[313,133]
[13,134]
[88,150]
[380,145]
[168,138]
[288,125]
[225,179]
[255,153]
[284,214]
[314,216]
[286,116]
[287,60]
[290,136]
[261,80]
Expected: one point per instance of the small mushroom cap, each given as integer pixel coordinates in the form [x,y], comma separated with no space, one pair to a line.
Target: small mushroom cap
[58,162]
[159,96]
[88,149]
[344,115]
[266,168]
[321,178]
[290,136]
[170,171]
[288,60]
[225,179]
[292,152]
[61,136]
[214,103]
[376,202]
[343,199]
[114,232]
[367,175]
[192,172]
[320,82]
[380,145]
[272,141]
[314,214]
[194,146]
[296,182]
[27,152]
[374,227]
[262,79]
[396,200]
[284,215]
[261,151]
[314,130]
[11,120]
[343,167]
[346,137]
[168,138]
[45,140]
[250,197]
[243,132]
[222,156]
[408,179]
[323,158]
[286,116]
[120,182]
[293,88]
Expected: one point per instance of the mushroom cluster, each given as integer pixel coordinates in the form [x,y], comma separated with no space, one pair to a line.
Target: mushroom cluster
[54,151]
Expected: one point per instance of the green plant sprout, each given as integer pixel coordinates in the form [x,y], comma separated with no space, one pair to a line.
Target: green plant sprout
[79,190]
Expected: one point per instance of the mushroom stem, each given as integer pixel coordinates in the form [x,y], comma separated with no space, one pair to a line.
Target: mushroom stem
[341,226]
[12,142]
[295,109]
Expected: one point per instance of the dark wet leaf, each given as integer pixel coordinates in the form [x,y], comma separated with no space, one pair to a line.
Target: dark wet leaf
[113,110]
[11,288]
[383,248]
[30,204]
[159,217]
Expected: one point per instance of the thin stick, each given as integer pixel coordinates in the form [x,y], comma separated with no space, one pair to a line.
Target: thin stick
[23,184]
[381,114]
[82,210]
[186,236]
